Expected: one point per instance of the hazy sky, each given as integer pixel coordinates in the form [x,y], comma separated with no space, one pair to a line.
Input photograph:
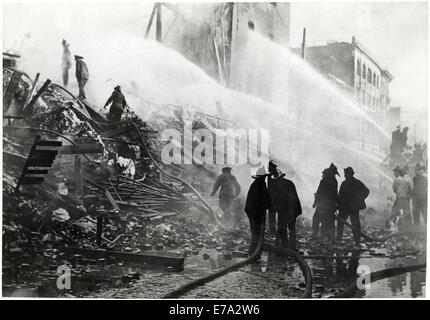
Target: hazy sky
[395,33]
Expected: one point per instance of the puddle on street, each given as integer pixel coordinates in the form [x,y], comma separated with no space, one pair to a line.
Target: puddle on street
[329,276]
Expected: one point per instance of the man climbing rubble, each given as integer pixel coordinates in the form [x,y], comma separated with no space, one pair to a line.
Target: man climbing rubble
[352,195]
[82,75]
[285,202]
[257,202]
[118,105]
[229,190]
[326,204]
[402,187]
[419,194]
[66,62]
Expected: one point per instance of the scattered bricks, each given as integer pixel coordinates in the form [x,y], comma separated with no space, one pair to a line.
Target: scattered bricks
[187,251]
[227,255]
[146,246]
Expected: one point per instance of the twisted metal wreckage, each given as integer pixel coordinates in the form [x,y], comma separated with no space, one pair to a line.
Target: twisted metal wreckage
[155,193]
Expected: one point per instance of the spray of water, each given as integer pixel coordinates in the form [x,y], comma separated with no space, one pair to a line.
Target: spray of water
[308,118]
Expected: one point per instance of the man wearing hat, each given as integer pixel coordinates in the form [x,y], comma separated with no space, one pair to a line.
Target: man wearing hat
[352,194]
[326,204]
[229,189]
[419,194]
[66,62]
[402,187]
[285,202]
[118,104]
[257,202]
[273,173]
[82,75]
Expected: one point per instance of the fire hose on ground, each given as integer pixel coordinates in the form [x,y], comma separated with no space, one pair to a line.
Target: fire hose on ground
[202,281]
[350,290]
[180,291]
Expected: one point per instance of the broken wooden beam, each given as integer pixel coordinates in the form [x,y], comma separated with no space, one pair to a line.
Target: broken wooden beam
[177,262]
[31,91]
[38,94]
[81,149]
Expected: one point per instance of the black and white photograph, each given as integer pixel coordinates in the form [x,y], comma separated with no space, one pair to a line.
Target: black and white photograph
[214,150]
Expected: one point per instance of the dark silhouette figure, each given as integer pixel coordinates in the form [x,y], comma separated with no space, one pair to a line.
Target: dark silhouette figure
[257,202]
[352,194]
[82,75]
[272,214]
[285,202]
[326,205]
[396,147]
[229,189]
[118,102]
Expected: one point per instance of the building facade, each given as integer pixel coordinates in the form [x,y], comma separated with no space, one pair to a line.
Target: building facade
[355,72]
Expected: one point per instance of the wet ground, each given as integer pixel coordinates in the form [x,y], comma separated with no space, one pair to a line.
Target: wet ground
[272,277]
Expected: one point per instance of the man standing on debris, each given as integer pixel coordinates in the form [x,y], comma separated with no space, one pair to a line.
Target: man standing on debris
[230,189]
[82,75]
[257,202]
[419,194]
[118,104]
[352,195]
[66,62]
[402,187]
[326,205]
[328,227]
[285,201]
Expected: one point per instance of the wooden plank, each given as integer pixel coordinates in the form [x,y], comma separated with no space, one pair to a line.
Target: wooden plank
[53,143]
[81,149]
[29,171]
[31,91]
[38,94]
[177,262]
[29,180]
[112,200]
[46,148]
[34,175]
[38,168]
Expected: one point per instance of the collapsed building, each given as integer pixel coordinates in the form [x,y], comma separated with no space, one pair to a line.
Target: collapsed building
[73,180]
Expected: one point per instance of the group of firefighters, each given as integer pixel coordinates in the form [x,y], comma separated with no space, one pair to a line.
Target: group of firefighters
[407,189]
[117,99]
[279,197]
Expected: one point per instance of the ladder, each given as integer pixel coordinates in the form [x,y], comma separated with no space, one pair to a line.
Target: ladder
[39,160]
